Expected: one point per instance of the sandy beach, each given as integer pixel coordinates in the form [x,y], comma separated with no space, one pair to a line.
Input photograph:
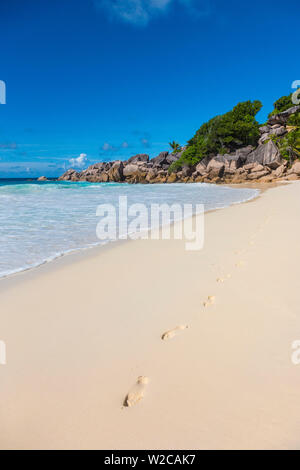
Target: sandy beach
[80,331]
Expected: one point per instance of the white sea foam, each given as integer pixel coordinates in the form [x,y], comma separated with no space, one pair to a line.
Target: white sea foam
[39,222]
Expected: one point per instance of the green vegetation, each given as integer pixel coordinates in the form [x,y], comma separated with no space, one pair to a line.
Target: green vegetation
[294,120]
[175,146]
[223,134]
[289,145]
[284,103]
[238,128]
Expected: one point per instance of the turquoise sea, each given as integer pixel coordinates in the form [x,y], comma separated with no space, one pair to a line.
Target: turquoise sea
[41,221]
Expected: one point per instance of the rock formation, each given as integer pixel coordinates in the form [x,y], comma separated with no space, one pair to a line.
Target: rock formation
[263,163]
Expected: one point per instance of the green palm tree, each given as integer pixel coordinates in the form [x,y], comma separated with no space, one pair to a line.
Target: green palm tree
[175,146]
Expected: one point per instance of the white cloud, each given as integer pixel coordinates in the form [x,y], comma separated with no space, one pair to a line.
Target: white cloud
[106,147]
[140,12]
[78,162]
[145,143]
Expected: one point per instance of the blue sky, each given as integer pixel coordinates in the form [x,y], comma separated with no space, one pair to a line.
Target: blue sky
[92,80]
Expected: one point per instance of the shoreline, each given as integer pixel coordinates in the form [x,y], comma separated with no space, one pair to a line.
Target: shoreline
[90,328]
[73,252]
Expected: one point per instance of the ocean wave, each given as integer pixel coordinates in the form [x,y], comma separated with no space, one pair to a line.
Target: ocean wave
[40,222]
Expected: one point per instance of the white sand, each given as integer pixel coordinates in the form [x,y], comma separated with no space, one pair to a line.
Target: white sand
[81,330]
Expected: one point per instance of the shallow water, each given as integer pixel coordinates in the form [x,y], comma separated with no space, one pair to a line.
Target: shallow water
[41,221]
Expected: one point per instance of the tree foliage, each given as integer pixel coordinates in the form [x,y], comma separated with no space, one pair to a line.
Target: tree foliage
[223,134]
[175,146]
[289,145]
[284,103]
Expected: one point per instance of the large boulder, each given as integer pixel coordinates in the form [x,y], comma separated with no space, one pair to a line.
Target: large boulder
[93,172]
[130,170]
[141,157]
[95,178]
[97,173]
[116,172]
[278,131]
[98,166]
[215,168]
[173,157]
[136,173]
[165,159]
[172,178]
[200,170]
[258,174]
[263,139]
[236,163]
[70,175]
[237,159]
[161,177]
[151,175]
[222,159]
[280,171]
[248,167]
[186,171]
[266,155]
[282,118]
[295,169]
[244,151]
[161,159]
[264,129]
[257,167]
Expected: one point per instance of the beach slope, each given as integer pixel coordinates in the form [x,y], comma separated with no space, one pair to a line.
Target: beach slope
[199,344]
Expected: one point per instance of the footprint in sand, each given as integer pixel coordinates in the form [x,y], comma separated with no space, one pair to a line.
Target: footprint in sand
[240,264]
[170,334]
[239,252]
[223,279]
[136,394]
[210,301]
